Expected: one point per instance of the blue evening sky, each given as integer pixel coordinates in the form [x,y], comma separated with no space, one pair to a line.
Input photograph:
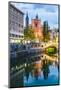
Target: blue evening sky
[45,12]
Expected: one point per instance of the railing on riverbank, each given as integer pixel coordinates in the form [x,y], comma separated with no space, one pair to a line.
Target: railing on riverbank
[25,52]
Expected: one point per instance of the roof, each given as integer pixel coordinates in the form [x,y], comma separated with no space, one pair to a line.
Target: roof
[16,8]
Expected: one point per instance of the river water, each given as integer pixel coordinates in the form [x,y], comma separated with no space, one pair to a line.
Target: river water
[42,71]
[38,73]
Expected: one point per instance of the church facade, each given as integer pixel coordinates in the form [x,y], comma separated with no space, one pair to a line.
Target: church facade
[36,27]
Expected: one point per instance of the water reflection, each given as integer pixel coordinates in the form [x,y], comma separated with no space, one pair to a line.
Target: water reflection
[39,70]
[45,69]
[36,71]
[27,71]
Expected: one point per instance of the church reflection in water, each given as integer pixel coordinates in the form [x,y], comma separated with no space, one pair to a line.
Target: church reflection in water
[44,71]
[39,72]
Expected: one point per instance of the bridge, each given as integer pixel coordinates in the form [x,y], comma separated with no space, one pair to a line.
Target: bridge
[48,44]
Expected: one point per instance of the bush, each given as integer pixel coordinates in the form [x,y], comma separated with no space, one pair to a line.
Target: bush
[51,50]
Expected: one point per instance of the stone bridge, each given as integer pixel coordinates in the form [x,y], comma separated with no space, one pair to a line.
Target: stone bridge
[48,44]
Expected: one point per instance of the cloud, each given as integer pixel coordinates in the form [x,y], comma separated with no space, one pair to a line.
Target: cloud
[23,5]
[45,12]
[47,7]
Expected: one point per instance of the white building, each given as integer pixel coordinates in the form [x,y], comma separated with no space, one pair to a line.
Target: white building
[16,29]
[53,34]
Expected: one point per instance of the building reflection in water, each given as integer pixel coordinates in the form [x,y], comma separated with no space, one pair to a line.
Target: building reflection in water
[36,72]
[35,69]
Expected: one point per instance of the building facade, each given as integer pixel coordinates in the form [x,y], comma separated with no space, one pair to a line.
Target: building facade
[37,27]
[16,30]
[53,34]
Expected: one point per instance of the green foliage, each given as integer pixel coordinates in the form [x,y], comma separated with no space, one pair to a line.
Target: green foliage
[51,50]
[29,34]
[45,31]
[46,37]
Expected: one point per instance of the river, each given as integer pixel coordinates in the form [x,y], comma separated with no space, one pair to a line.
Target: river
[42,71]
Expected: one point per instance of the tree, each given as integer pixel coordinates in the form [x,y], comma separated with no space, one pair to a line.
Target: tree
[51,50]
[45,31]
[29,34]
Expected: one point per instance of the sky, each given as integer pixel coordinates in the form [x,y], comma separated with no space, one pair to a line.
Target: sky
[45,12]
